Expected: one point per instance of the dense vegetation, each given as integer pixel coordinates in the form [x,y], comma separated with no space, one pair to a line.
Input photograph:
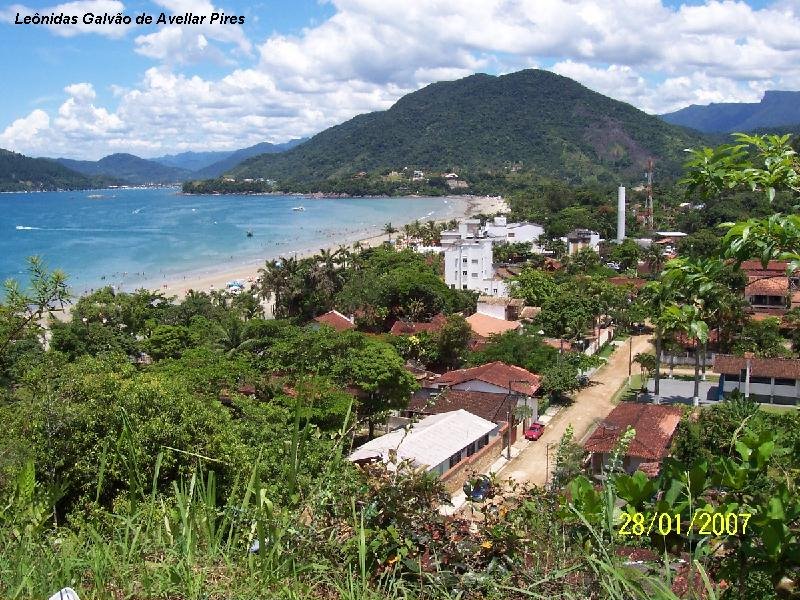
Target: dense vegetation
[547,124]
[161,449]
[128,168]
[19,173]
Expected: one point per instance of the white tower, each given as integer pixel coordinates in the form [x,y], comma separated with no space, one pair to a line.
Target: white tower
[620,214]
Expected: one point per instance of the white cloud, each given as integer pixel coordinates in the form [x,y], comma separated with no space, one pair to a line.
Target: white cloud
[77,9]
[179,44]
[370,53]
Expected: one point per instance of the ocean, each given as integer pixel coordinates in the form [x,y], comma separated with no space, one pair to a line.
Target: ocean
[139,237]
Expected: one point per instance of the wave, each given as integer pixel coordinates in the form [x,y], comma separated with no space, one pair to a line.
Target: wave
[25,228]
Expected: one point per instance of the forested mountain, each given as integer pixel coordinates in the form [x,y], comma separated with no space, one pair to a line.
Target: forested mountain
[127,167]
[550,124]
[776,109]
[19,173]
[192,161]
[228,162]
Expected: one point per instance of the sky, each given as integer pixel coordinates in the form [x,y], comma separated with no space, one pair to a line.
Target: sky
[296,67]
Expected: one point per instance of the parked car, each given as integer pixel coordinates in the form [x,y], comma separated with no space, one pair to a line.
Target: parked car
[534,432]
[478,488]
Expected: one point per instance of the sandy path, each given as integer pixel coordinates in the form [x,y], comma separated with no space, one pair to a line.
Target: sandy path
[591,405]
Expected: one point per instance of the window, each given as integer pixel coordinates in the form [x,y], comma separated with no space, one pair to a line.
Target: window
[475,275]
[787,382]
[474,261]
[455,459]
[463,287]
[471,449]
[485,440]
[761,380]
[510,234]
[464,260]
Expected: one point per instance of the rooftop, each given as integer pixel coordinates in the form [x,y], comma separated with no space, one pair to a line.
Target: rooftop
[489,406]
[783,368]
[485,325]
[496,373]
[655,424]
[767,286]
[411,327]
[335,319]
[429,442]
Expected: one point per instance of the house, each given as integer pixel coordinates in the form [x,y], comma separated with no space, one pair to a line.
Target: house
[499,307]
[770,290]
[500,230]
[498,408]
[655,426]
[468,266]
[495,377]
[337,320]
[773,380]
[438,443]
[412,328]
[578,239]
[485,326]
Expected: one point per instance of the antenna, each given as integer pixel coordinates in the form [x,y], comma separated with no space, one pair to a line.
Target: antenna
[649,216]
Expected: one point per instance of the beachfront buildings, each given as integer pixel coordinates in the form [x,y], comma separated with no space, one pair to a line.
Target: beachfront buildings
[497,231]
[768,380]
[468,265]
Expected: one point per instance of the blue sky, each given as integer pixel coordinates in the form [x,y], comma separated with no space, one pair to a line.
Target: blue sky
[296,67]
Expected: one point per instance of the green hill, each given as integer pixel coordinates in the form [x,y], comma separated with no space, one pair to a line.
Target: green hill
[551,124]
[777,110]
[127,167]
[19,173]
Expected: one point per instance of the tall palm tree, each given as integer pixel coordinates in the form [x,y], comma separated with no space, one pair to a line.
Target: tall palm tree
[656,296]
[389,229]
[654,258]
[689,318]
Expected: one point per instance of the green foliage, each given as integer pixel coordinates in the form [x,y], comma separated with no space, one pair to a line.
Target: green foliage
[480,123]
[526,351]
[763,338]
[626,254]
[19,173]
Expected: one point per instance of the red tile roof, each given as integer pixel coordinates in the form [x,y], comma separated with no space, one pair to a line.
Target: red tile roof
[496,373]
[485,325]
[620,280]
[784,368]
[754,268]
[767,286]
[489,406]
[411,328]
[655,424]
[558,344]
[336,320]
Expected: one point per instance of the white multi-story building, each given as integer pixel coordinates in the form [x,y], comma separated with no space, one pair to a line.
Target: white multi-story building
[468,266]
[578,239]
[500,230]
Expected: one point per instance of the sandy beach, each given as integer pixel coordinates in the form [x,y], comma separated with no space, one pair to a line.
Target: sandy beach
[217,278]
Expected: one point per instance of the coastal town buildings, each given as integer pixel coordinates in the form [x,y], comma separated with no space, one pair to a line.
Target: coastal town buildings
[767,380]
[578,239]
[468,265]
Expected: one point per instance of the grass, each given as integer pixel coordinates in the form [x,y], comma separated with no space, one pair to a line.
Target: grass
[606,350]
[628,392]
[777,409]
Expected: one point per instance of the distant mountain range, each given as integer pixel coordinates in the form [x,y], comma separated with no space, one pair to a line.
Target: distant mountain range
[20,173]
[550,124]
[128,168]
[777,109]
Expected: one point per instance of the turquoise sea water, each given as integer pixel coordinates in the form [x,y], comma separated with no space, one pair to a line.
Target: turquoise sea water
[134,237]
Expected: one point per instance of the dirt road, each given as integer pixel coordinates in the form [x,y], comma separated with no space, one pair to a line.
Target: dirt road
[591,405]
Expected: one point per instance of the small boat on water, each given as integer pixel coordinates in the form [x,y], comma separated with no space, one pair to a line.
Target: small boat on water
[299,208]
[249,233]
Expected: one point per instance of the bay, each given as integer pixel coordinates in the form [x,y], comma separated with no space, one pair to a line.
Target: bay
[139,237]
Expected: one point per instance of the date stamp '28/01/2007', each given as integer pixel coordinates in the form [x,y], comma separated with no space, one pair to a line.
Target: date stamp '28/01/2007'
[702,522]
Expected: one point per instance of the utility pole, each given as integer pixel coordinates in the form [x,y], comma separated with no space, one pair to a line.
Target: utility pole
[649,216]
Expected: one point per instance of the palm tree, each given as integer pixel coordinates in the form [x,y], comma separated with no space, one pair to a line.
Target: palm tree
[657,296]
[389,229]
[688,318]
[654,258]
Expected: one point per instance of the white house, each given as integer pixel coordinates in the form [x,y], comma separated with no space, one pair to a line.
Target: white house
[438,442]
[500,230]
[578,239]
[468,266]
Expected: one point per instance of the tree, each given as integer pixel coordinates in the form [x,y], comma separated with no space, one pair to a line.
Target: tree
[168,341]
[389,230]
[533,286]
[526,351]
[452,341]
[647,365]
[688,318]
[560,378]
[763,338]
[626,254]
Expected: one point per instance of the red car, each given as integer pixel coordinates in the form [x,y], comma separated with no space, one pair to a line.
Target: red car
[534,432]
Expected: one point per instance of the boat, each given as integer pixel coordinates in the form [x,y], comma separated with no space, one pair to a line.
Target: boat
[249,233]
[299,208]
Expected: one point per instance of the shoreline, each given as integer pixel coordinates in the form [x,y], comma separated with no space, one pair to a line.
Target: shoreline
[215,277]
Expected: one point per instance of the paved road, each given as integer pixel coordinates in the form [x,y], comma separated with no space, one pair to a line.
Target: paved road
[591,405]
